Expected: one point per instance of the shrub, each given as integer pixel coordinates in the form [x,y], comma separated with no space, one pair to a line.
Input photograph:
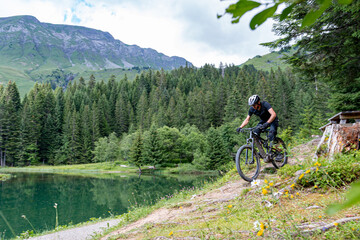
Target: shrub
[289,170]
[341,171]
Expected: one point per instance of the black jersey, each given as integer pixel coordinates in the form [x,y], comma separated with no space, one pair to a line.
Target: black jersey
[263,113]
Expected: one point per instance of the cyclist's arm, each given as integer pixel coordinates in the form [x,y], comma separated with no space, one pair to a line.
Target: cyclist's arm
[273,115]
[246,121]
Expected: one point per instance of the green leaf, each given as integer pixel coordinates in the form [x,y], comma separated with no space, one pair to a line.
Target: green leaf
[286,11]
[241,7]
[236,20]
[352,196]
[345,2]
[312,16]
[261,17]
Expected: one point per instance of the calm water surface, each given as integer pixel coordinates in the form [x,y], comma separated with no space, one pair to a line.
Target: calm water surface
[79,198]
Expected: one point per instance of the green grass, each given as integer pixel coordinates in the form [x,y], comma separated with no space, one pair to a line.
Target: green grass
[268,61]
[112,169]
[105,167]
[235,219]
[23,81]
[4,177]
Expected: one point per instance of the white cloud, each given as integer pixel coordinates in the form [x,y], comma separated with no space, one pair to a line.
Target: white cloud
[184,28]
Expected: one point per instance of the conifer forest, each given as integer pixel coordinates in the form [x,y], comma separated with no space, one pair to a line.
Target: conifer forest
[187,115]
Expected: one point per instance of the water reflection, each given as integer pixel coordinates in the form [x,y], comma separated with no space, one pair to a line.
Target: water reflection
[79,198]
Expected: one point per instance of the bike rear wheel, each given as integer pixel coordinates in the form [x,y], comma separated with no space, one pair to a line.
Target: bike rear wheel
[279,153]
[247,164]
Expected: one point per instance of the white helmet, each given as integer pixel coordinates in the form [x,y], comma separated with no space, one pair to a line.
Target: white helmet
[253,99]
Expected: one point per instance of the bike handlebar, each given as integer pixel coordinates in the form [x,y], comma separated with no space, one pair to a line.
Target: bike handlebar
[250,129]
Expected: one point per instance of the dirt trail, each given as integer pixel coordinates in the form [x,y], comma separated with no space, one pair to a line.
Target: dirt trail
[207,204]
[188,210]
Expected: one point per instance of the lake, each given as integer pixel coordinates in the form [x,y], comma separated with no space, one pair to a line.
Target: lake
[79,198]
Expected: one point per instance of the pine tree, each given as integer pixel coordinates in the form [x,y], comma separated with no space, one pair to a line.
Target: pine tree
[136,151]
[92,82]
[11,123]
[95,126]
[152,148]
[216,151]
[170,113]
[142,111]
[86,135]
[233,107]
[104,114]
[121,116]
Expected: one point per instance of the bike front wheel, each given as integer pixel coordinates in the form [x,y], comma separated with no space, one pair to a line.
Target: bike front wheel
[279,153]
[247,163]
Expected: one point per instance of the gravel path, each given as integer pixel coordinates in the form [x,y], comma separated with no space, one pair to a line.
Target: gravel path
[79,233]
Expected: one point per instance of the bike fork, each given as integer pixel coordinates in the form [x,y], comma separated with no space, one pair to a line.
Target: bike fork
[247,152]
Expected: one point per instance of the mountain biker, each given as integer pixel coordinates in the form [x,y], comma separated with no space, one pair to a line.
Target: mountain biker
[267,116]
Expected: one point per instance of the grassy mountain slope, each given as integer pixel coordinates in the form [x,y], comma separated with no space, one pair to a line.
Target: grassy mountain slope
[269,61]
[23,80]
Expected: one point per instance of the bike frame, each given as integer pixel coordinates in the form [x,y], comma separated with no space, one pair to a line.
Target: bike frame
[257,141]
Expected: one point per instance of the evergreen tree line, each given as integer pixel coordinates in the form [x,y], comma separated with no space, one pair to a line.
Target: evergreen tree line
[185,115]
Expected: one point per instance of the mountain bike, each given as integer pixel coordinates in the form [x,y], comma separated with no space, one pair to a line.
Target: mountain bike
[248,156]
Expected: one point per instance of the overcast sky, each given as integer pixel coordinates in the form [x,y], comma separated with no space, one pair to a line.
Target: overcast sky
[185,28]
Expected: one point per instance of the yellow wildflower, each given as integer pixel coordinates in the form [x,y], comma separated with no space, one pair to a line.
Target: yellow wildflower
[181,207]
[260,232]
[264,191]
[292,185]
[271,184]
[307,171]
[230,206]
[317,169]
[315,186]
[268,187]
[291,196]
[171,233]
[336,224]
[320,216]
[266,181]
[301,176]
[297,193]
[228,211]
[262,226]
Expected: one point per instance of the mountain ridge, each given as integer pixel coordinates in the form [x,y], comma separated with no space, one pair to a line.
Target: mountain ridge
[76,45]
[30,51]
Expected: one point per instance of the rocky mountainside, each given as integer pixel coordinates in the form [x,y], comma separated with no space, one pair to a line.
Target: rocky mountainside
[26,41]
[30,49]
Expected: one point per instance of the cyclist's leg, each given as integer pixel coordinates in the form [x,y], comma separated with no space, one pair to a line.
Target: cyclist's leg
[272,133]
[273,130]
